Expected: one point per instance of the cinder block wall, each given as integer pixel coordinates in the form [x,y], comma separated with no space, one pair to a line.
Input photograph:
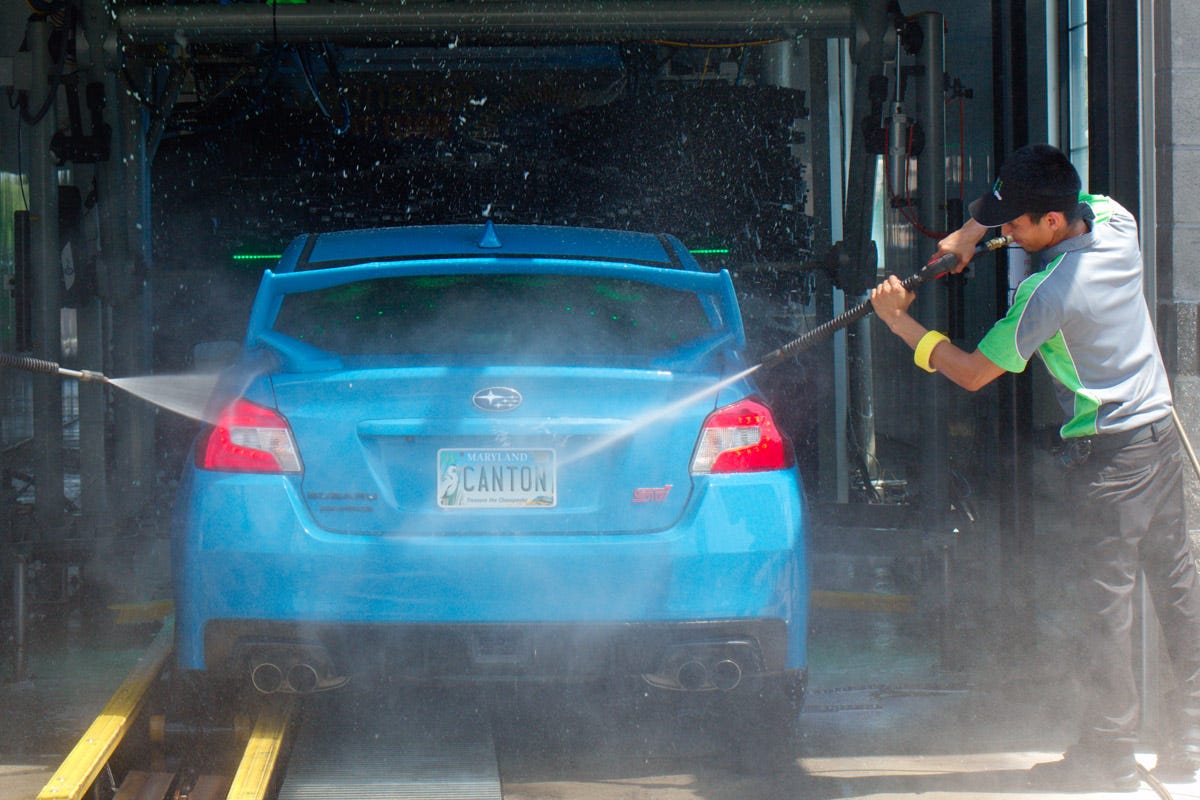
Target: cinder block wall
[1177,154]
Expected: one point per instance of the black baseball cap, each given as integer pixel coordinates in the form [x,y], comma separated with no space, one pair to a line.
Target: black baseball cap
[1037,178]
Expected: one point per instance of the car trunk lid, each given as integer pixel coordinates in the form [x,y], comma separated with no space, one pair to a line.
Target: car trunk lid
[417,450]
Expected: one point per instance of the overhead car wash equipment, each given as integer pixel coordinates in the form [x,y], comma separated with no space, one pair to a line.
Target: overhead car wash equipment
[936,268]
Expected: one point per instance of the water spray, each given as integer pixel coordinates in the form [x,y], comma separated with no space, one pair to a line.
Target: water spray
[50,368]
[933,270]
[186,394]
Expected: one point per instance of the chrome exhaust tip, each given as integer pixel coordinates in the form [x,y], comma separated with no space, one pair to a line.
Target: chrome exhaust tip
[267,678]
[706,666]
[726,675]
[289,667]
[303,678]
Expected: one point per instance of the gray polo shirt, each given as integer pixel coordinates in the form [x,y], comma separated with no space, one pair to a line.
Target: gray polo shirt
[1085,315]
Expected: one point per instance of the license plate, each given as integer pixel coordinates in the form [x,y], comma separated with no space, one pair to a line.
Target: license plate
[496,478]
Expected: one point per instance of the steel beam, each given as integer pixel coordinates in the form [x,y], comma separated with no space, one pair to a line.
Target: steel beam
[502,21]
[932,303]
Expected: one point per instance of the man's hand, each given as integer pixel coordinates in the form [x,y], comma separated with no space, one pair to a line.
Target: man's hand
[972,371]
[891,301]
[962,243]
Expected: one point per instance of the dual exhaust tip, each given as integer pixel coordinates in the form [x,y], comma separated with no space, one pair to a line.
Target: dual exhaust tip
[283,668]
[706,666]
[269,678]
[695,676]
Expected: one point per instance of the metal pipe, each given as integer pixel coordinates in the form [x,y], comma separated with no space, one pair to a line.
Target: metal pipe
[502,21]
[869,49]
[131,342]
[933,306]
[46,264]
[19,616]
[862,397]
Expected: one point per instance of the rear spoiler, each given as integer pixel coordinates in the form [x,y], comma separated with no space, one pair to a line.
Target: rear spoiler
[715,287]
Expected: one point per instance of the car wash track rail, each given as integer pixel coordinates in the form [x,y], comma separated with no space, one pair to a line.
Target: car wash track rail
[145,745]
[125,745]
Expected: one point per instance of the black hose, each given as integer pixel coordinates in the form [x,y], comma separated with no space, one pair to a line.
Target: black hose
[934,269]
[50,368]
[29,364]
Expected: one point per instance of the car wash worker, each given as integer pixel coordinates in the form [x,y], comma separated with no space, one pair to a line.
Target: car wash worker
[1083,312]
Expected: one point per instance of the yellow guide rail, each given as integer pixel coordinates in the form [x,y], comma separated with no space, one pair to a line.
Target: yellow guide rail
[81,766]
[257,768]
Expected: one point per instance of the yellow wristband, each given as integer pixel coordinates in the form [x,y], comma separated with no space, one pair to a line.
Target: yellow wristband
[924,350]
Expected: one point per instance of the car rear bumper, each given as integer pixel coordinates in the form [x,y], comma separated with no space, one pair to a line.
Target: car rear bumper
[736,565]
[686,656]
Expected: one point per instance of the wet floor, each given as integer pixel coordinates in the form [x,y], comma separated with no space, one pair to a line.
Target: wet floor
[69,674]
[884,717]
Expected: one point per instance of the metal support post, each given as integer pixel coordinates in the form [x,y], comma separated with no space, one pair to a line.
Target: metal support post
[131,305]
[862,395]
[47,287]
[932,303]
[873,32]
[933,309]
[20,616]
[824,179]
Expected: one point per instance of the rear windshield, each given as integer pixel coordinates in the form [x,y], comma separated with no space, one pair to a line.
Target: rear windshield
[527,318]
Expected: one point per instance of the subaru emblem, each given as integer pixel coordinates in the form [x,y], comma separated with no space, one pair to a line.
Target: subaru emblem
[496,398]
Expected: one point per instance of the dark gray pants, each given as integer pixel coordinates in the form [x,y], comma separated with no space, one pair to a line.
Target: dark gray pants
[1130,498]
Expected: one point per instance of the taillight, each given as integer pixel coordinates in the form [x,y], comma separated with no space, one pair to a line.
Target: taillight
[741,438]
[248,438]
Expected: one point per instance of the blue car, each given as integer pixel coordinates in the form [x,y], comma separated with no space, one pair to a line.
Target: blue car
[487,452]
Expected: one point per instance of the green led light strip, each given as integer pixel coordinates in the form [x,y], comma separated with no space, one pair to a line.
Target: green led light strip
[709,251]
[254,257]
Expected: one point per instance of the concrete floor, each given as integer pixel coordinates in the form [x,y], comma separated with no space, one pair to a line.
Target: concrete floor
[69,678]
[883,719]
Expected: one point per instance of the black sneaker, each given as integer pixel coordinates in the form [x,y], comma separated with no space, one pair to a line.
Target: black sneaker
[1081,770]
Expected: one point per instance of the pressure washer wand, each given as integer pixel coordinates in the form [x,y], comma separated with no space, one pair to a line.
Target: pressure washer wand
[50,368]
[935,269]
